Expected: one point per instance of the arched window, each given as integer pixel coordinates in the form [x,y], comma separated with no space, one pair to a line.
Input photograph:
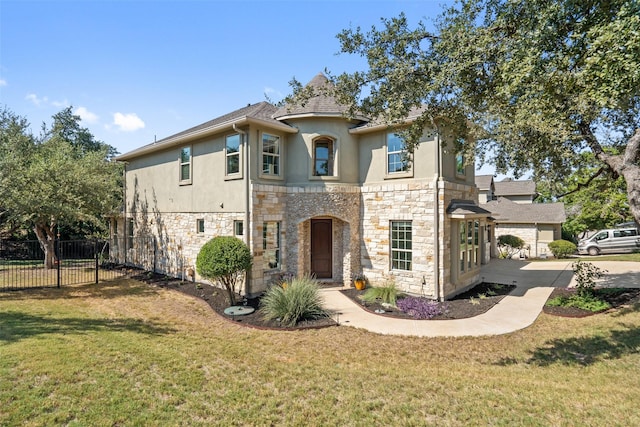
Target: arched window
[323,157]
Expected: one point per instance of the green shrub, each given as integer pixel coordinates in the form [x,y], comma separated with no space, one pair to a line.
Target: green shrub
[586,275]
[386,294]
[224,259]
[562,248]
[299,300]
[585,302]
[509,245]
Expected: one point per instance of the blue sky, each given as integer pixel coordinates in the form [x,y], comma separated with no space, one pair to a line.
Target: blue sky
[139,70]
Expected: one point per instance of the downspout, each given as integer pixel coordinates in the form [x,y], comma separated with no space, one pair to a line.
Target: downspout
[436,223]
[247,199]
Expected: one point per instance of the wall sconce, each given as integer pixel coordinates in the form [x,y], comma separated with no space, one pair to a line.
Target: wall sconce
[222,205]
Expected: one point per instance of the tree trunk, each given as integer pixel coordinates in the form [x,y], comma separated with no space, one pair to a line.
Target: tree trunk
[46,238]
[627,165]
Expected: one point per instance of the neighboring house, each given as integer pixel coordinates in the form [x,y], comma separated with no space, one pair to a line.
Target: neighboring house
[514,212]
[310,191]
[486,188]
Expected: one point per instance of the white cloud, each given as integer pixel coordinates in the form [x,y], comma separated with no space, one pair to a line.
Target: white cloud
[273,94]
[35,100]
[3,82]
[86,115]
[60,104]
[128,122]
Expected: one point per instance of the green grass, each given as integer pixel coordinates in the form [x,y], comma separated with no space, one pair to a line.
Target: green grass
[619,257]
[124,353]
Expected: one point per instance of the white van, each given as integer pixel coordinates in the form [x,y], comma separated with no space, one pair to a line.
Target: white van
[611,241]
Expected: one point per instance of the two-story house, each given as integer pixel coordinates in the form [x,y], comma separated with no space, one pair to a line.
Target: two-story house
[511,205]
[310,191]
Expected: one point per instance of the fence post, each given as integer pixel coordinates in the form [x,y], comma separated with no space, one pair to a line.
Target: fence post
[95,252]
[57,253]
[155,252]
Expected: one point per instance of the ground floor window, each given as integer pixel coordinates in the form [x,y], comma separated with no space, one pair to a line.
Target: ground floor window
[469,250]
[200,225]
[238,228]
[401,245]
[271,244]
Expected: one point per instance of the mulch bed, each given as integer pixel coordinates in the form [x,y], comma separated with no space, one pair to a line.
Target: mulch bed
[218,300]
[469,304]
[625,298]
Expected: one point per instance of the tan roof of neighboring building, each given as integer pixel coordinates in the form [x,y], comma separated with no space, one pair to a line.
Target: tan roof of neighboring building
[508,187]
[506,211]
[483,182]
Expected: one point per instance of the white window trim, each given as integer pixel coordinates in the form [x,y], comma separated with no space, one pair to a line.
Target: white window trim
[189,180]
[280,174]
[311,143]
[239,174]
[391,249]
[392,175]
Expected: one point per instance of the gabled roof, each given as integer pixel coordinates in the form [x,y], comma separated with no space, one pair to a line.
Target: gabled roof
[507,211]
[259,113]
[320,105]
[483,182]
[466,208]
[507,187]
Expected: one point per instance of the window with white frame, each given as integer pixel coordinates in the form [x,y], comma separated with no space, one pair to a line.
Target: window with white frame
[200,225]
[271,244]
[270,154]
[238,228]
[323,157]
[232,152]
[185,165]
[398,158]
[469,250]
[401,245]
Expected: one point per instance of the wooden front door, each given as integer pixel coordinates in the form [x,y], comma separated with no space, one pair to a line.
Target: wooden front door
[321,248]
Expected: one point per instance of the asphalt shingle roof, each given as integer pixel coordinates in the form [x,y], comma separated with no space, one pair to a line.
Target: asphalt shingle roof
[483,182]
[514,188]
[319,104]
[506,211]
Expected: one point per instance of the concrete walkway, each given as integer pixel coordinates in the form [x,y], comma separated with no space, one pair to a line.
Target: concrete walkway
[534,283]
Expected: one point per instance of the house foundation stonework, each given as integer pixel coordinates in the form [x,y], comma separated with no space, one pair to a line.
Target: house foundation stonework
[311,192]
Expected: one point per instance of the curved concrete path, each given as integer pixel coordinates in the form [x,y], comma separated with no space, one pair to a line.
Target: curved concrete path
[534,283]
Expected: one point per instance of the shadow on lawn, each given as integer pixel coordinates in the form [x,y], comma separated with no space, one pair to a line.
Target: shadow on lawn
[584,350]
[105,290]
[15,326]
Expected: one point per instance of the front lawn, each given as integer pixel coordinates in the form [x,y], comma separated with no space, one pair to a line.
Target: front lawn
[127,353]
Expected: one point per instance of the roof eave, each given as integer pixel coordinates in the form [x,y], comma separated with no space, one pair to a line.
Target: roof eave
[196,134]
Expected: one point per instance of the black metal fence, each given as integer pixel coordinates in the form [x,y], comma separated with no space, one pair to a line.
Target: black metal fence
[22,264]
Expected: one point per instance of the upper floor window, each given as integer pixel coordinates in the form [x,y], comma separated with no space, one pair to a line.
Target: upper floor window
[398,159]
[460,166]
[185,165]
[270,154]
[323,154]
[232,151]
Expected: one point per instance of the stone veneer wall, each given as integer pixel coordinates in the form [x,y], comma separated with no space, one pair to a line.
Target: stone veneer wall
[449,282]
[294,207]
[178,241]
[399,201]
[528,233]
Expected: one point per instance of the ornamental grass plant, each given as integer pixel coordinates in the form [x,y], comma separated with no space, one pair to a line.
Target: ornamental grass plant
[299,300]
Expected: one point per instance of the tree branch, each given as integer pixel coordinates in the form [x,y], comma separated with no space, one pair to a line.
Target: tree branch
[586,184]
